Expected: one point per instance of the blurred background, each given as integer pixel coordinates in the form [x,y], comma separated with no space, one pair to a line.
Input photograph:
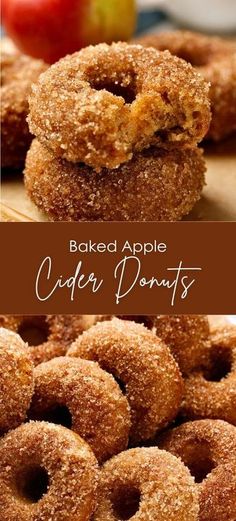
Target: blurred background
[211,16]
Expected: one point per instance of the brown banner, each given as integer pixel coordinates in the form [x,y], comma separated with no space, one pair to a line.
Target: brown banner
[120,268]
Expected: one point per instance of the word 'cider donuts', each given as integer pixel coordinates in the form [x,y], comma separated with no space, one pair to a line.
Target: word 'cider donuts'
[104,103]
[81,396]
[156,185]
[143,365]
[47,336]
[46,473]
[146,484]
[16,380]
[215,59]
[208,449]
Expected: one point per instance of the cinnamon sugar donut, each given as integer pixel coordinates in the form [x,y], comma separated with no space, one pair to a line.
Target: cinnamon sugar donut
[144,367]
[18,74]
[186,335]
[100,105]
[48,336]
[16,380]
[215,59]
[210,392]
[146,484]
[46,473]
[208,448]
[156,185]
[83,397]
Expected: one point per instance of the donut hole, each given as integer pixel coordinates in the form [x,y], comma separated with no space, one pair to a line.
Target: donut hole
[195,59]
[221,362]
[125,502]
[58,414]
[32,483]
[201,467]
[34,330]
[127,92]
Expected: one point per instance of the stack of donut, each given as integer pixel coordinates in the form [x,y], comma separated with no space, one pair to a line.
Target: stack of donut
[117,129]
[94,434]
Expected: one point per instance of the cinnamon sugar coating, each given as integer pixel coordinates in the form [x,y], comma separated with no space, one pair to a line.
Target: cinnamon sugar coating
[16,380]
[100,105]
[210,392]
[47,473]
[18,74]
[98,411]
[143,365]
[156,185]
[47,336]
[149,484]
[185,335]
[208,449]
[215,59]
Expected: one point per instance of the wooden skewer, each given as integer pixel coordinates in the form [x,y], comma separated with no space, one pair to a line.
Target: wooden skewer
[8,214]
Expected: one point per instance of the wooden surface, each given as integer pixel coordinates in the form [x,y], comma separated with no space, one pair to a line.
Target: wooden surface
[218,202]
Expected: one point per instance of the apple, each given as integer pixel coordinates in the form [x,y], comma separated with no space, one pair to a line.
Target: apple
[50,29]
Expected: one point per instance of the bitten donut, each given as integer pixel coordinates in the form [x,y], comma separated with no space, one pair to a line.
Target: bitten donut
[18,74]
[156,185]
[46,473]
[16,380]
[210,392]
[215,59]
[146,484]
[47,336]
[187,336]
[208,449]
[83,397]
[144,367]
[100,105]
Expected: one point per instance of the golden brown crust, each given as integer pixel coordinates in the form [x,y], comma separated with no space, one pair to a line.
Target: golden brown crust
[210,392]
[208,448]
[16,380]
[215,59]
[99,412]
[18,74]
[156,185]
[186,336]
[146,483]
[144,366]
[69,465]
[102,104]
[47,336]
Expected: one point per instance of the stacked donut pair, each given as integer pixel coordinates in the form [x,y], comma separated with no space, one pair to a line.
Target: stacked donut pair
[117,129]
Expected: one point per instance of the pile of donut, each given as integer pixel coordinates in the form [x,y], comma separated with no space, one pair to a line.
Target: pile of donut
[117,418]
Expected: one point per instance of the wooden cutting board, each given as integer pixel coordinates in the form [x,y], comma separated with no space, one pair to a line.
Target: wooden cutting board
[218,201]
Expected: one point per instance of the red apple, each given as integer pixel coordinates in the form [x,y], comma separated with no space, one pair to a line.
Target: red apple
[49,29]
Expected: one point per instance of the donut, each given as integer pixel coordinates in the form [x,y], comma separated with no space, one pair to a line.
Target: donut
[46,473]
[47,336]
[18,74]
[144,367]
[208,449]
[215,59]
[185,335]
[156,185]
[210,392]
[81,396]
[16,380]
[146,484]
[103,103]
